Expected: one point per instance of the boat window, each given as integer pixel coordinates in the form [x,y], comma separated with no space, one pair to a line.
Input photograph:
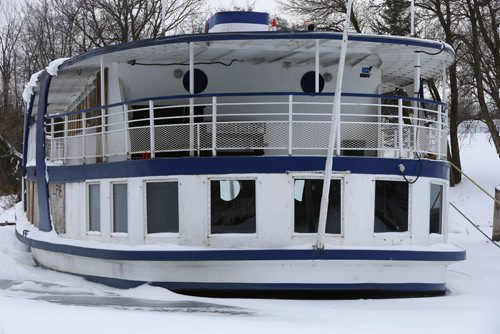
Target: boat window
[232,205]
[162,200]
[436,209]
[307,203]
[120,207]
[94,213]
[200,81]
[391,206]
[308,82]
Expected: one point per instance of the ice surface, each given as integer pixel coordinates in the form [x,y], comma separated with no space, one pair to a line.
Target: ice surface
[34,300]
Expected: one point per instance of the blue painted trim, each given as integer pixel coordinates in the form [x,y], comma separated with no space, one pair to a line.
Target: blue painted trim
[187,96]
[417,287]
[27,118]
[238,17]
[297,35]
[296,287]
[245,255]
[42,184]
[242,165]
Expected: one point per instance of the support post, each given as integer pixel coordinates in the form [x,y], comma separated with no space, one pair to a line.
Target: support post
[496,216]
[191,99]
[412,18]
[84,120]
[125,130]
[334,130]
[440,131]
[290,125]
[152,128]
[214,126]
[400,127]
[416,91]
[103,110]
[316,67]
[65,137]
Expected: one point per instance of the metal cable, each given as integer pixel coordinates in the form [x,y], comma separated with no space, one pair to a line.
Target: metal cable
[476,226]
[475,183]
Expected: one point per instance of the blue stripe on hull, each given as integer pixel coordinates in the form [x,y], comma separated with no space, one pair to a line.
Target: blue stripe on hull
[236,165]
[247,255]
[276,287]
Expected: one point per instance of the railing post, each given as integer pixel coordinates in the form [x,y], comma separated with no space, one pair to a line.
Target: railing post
[103,110]
[316,67]
[290,124]
[152,128]
[191,99]
[52,140]
[214,126]
[125,129]
[65,137]
[338,138]
[84,116]
[440,130]
[400,127]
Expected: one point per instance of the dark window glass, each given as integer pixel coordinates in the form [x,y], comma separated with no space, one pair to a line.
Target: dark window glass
[391,206]
[232,206]
[120,220]
[436,209]
[162,200]
[308,82]
[200,81]
[307,206]
[94,213]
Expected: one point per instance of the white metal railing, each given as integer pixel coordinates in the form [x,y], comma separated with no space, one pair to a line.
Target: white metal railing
[294,124]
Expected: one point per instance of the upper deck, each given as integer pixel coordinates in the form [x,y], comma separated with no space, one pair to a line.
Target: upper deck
[259,93]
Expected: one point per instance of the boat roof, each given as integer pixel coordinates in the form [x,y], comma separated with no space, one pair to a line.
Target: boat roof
[394,55]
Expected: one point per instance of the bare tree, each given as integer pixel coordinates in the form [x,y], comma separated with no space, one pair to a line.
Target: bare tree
[484,46]
[106,22]
[327,14]
[444,13]
[10,103]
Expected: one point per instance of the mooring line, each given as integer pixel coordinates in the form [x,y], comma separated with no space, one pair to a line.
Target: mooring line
[470,221]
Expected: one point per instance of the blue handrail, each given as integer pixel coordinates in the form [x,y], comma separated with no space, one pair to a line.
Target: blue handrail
[187,96]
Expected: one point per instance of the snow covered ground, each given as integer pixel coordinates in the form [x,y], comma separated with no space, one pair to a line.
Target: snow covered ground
[43,301]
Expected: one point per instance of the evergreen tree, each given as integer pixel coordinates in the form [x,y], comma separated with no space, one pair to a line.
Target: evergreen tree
[394,18]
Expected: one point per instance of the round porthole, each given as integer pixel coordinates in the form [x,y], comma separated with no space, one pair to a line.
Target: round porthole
[229,189]
[308,82]
[200,81]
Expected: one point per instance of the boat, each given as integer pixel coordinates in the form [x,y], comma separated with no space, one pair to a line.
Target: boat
[199,163]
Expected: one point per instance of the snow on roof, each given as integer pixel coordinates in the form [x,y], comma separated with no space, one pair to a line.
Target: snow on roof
[30,86]
[53,67]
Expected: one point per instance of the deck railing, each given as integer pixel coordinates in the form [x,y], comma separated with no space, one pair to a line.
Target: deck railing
[248,124]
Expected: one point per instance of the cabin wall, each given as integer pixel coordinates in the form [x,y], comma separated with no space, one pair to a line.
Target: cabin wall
[149,81]
[274,218]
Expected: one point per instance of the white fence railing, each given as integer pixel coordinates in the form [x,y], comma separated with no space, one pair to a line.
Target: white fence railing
[371,125]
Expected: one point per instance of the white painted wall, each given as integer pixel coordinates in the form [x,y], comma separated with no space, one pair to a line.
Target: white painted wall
[274,209]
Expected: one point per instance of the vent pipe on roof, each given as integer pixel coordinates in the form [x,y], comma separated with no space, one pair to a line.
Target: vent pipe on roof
[238,21]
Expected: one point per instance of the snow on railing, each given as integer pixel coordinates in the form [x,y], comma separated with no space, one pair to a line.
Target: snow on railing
[249,123]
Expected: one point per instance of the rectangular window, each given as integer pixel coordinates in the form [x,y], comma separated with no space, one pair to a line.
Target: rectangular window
[391,206]
[162,200]
[307,203]
[436,209]
[94,214]
[120,207]
[232,206]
